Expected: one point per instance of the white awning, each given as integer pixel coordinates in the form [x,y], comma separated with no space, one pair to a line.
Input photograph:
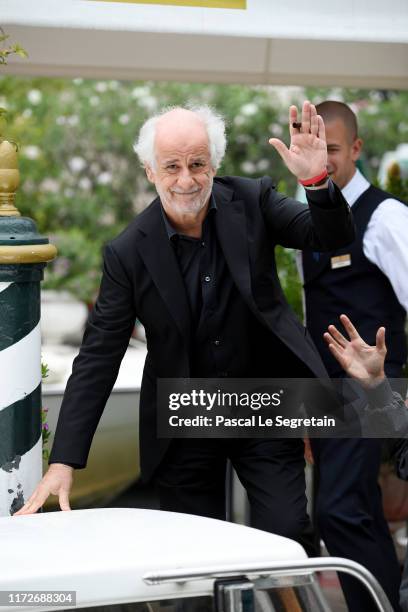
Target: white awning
[354,43]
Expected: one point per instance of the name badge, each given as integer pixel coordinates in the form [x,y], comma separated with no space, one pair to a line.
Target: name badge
[341,261]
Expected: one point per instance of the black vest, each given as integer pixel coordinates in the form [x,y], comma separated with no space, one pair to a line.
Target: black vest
[360,290]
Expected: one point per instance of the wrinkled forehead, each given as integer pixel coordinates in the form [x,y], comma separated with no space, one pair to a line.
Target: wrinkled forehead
[181,136]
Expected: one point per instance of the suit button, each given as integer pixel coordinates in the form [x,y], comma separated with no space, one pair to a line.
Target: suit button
[216,342]
[207,279]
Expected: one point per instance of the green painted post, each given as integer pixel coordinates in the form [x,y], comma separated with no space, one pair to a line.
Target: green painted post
[23,256]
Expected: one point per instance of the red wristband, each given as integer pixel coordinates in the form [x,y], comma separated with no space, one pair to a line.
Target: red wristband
[315,181]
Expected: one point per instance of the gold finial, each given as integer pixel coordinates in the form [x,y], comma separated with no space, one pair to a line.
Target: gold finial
[9,179]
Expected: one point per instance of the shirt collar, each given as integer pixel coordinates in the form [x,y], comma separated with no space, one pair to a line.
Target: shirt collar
[171,232]
[355,187]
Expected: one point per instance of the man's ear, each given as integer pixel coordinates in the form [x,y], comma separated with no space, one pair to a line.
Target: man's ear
[149,174]
[356,148]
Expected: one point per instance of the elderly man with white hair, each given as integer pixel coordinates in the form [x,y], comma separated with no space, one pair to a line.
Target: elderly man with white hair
[197,269]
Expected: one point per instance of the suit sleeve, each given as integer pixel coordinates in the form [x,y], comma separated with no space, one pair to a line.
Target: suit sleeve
[324,224]
[383,401]
[96,367]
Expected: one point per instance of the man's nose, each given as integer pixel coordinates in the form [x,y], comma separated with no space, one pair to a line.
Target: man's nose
[185,179]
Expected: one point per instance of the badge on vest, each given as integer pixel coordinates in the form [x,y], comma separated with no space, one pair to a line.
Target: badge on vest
[341,261]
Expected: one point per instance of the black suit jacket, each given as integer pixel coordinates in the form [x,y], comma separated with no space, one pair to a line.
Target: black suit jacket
[141,279]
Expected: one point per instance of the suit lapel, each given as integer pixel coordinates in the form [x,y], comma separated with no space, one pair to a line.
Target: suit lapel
[233,238]
[160,260]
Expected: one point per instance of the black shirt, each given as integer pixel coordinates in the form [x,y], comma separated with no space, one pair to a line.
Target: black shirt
[227,339]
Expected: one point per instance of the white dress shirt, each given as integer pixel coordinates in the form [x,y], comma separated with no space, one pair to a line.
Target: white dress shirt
[385,241]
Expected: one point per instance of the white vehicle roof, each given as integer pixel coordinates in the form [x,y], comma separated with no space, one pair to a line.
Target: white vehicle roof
[103,554]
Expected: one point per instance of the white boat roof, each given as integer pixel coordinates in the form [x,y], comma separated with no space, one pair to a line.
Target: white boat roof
[103,554]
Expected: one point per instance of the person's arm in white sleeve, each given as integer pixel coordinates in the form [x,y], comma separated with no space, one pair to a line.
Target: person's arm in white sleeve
[385,244]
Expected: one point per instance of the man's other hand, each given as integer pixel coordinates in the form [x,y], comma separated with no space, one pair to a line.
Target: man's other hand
[361,361]
[57,481]
[306,157]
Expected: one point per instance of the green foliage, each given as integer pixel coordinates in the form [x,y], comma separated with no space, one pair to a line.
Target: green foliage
[45,430]
[395,184]
[44,370]
[289,278]
[5,51]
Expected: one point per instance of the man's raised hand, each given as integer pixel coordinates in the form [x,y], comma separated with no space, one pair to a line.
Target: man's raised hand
[306,157]
[361,361]
[57,481]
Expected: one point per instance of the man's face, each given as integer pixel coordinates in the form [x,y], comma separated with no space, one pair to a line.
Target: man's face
[183,175]
[342,152]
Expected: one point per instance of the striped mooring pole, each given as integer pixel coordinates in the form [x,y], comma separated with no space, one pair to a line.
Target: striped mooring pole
[23,256]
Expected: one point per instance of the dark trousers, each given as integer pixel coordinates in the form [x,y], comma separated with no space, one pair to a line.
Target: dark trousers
[191,479]
[350,517]
[349,512]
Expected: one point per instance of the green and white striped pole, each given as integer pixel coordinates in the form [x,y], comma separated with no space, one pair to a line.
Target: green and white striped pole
[23,256]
